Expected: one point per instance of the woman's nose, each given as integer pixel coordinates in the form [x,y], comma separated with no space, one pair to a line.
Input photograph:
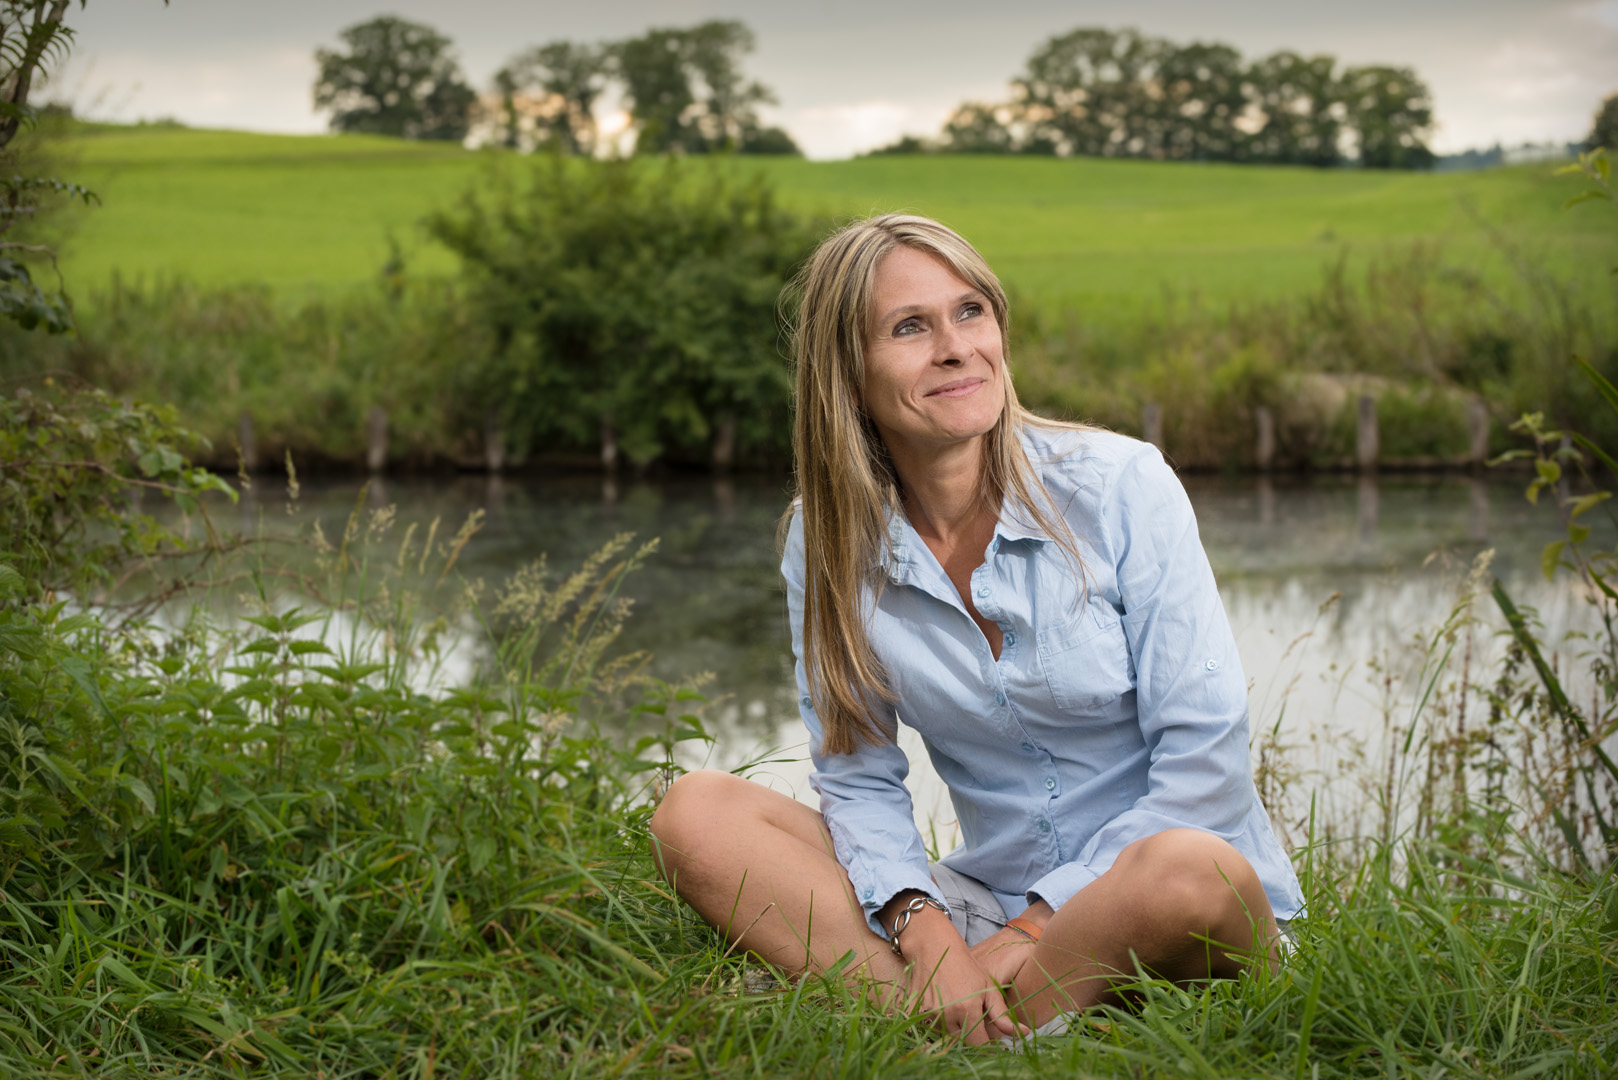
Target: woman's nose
[953,346]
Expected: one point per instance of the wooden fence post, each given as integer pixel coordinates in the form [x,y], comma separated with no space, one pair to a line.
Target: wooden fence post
[1367,442]
[1264,452]
[1477,425]
[1151,422]
[376,439]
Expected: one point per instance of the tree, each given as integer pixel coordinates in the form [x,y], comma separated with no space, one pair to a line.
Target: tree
[1297,101]
[1390,112]
[1085,92]
[686,91]
[1200,97]
[976,128]
[548,96]
[630,304]
[1604,132]
[397,78]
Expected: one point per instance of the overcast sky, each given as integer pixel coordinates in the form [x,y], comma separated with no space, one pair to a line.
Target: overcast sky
[852,74]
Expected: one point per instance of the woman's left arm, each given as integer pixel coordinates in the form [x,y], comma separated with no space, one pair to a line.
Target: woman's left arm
[1190,691]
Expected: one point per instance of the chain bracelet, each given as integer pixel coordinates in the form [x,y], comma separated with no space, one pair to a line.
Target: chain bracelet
[902,920]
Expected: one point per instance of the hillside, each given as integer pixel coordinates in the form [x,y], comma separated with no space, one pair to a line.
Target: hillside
[316,212]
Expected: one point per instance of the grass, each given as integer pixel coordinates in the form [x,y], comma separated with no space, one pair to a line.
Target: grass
[273,850]
[1103,238]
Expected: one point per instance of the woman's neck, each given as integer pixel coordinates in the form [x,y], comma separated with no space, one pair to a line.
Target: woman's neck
[942,489]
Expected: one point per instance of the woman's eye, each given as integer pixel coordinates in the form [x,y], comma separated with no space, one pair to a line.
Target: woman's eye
[909,326]
[969,310]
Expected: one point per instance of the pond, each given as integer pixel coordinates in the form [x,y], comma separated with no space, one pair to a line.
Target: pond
[1329,583]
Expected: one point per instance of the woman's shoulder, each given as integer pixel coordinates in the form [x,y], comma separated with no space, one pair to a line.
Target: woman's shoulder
[1073,460]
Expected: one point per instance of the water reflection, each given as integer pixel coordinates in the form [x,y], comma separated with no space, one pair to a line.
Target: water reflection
[1326,582]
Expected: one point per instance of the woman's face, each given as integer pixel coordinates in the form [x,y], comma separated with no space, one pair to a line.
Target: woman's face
[933,356]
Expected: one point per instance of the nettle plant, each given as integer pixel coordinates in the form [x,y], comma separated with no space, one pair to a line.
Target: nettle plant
[1579,789]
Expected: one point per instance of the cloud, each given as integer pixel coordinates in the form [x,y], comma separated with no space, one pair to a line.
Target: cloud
[265,90]
[1604,12]
[840,131]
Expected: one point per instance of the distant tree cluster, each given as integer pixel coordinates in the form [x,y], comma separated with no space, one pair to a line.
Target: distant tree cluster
[683,88]
[1604,131]
[1121,93]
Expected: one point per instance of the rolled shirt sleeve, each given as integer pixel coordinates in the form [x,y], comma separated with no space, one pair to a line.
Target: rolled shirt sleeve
[863,798]
[1190,691]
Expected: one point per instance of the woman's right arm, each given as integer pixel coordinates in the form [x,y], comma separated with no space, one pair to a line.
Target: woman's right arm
[867,810]
[863,797]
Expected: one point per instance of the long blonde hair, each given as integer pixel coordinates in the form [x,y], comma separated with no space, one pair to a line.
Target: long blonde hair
[846,486]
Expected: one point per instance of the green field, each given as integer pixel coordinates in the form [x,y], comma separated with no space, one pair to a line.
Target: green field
[302,213]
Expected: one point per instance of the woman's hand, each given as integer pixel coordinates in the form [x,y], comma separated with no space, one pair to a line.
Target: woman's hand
[946,978]
[1003,954]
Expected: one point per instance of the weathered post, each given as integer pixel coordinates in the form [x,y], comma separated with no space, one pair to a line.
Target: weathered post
[376,439]
[609,446]
[1367,442]
[249,444]
[1151,422]
[1264,451]
[1477,426]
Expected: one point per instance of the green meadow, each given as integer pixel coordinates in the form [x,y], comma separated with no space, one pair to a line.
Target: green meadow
[307,214]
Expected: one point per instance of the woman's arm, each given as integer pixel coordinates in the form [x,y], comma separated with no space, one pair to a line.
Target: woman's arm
[867,810]
[1190,691]
[863,797]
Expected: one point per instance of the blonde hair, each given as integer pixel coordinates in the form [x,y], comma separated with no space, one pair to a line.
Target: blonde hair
[846,486]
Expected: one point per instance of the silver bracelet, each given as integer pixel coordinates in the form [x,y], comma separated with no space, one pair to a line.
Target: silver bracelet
[902,920]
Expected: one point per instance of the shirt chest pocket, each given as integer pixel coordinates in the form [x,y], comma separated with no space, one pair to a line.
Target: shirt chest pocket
[1087,661]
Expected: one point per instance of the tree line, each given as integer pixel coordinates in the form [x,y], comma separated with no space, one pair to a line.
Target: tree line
[683,88]
[1122,93]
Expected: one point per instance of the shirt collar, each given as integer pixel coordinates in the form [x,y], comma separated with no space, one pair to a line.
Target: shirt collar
[903,540]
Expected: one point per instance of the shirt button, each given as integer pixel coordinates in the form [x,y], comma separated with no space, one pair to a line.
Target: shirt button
[806,701]
[1050,783]
[994,545]
[999,697]
[1212,665]
[984,593]
[869,892]
[1044,826]
[1011,639]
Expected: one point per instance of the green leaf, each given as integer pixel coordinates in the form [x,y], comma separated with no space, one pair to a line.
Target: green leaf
[1608,392]
[1578,534]
[1551,558]
[140,790]
[480,850]
[1585,502]
[78,669]
[11,582]
[1587,196]
[1549,471]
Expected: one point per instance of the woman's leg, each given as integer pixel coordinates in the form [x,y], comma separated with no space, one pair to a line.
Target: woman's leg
[1162,903]
[760,867]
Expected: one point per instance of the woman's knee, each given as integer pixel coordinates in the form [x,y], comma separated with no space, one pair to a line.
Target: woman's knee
[1192,878]
[696,806]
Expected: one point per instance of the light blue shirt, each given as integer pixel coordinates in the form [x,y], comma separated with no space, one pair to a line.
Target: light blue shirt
[1117,707]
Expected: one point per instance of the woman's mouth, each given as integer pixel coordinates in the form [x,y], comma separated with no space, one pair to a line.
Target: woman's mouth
[958,388]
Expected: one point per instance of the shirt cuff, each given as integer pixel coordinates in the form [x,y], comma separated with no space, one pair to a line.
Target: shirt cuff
[875,885]
[1061,885]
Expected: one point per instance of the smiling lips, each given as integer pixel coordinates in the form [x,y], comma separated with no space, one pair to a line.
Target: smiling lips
[957,388]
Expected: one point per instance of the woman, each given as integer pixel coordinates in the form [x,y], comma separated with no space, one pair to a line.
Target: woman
[1032,597]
